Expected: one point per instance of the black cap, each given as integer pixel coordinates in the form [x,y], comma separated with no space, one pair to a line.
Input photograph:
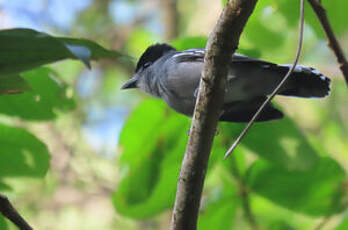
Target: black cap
[153,53]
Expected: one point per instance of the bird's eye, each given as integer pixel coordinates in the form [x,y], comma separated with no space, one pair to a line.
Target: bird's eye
[147,64]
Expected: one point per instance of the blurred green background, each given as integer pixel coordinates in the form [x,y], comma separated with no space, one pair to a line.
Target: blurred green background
[78,153]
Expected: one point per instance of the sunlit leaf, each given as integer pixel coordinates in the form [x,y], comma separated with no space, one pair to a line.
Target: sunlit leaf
[25,49]
[262,35]
[318,191]
[220,210]
[280,142]
[343,225]
[21,153]
[150,160]
[185,43]
[153,142]
[255,53]
[48,96]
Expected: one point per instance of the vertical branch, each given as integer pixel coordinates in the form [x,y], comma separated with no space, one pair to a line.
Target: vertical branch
[222,43]
[332,40]
[7,210]
[171,18]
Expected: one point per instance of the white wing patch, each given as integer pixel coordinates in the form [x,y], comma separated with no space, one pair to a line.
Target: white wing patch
[307,69]
[190,52]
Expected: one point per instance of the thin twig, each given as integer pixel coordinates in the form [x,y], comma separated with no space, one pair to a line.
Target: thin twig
[222,43]
[7,210]
[244,194]
[332,40]
[276,90]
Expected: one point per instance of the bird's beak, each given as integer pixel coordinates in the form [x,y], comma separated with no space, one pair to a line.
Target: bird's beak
[131,83]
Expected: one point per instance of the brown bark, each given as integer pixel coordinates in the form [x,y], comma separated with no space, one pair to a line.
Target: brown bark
[222,43]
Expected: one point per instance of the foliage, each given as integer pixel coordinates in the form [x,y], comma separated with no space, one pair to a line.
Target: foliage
[37,94]
[292,169]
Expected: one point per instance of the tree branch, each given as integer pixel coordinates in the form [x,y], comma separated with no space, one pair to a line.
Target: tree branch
[11,213]
[332,40]
[222,43]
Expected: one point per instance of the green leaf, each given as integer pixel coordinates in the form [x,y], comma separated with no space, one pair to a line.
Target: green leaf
[4,187]
[261,35]
[13,84]
[185,43]
[49,95]
[255,53]
[220,210]
[3,224]
[318,191]
[336,11]
[151,159]
[343,225]
[153,142]
[25,49]
[280,225]
[22,154]
[280,142]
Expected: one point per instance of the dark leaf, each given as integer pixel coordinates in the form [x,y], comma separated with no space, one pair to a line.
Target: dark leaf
[13,84]
[21,153]
[25,49]
[48,96]
[318,191]
[4,187]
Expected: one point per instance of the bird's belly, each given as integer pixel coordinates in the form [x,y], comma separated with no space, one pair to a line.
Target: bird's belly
[181,105]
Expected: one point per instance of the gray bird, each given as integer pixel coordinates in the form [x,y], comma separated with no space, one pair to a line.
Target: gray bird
[174,76]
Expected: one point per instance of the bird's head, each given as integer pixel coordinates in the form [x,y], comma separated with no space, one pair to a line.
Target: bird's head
[150,56]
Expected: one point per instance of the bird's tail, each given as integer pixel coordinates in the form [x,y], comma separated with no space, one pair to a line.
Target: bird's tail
[304,82]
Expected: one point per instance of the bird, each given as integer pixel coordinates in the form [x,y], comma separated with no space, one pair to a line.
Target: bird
[174,76]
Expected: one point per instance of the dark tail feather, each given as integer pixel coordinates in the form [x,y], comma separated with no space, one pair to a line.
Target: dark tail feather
[305,82]
[243,111]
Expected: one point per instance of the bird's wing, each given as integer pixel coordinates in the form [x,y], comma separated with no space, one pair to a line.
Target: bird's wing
[191,55]
[197,55]
[243,111]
